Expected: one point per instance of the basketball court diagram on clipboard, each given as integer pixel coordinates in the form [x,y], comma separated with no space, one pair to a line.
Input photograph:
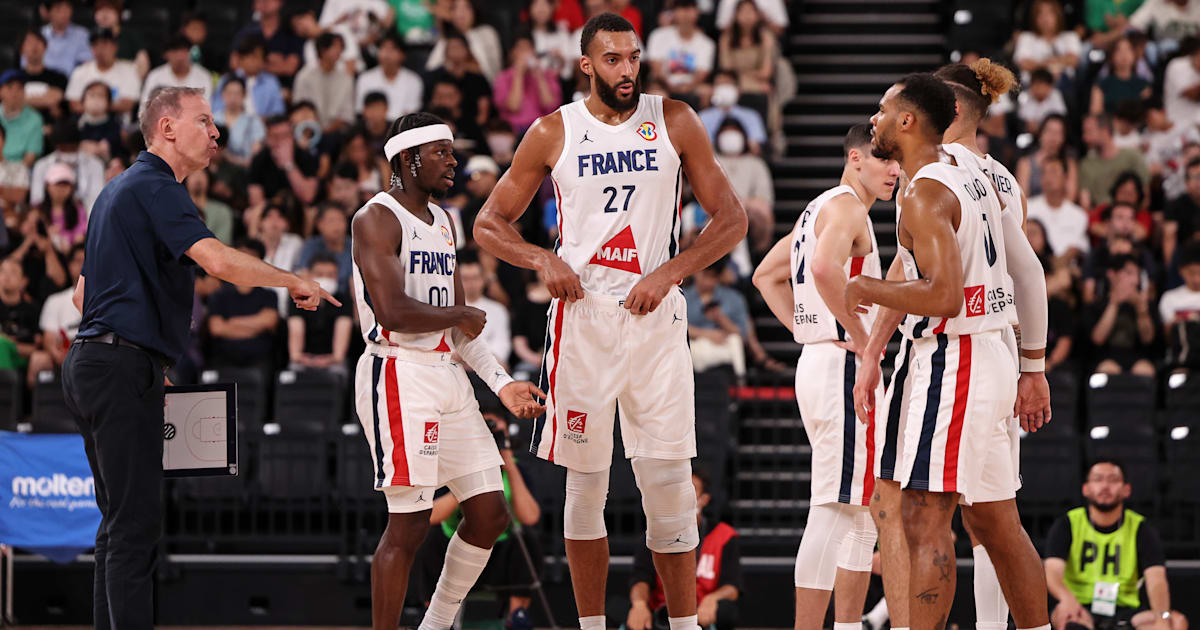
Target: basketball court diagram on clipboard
[196,432]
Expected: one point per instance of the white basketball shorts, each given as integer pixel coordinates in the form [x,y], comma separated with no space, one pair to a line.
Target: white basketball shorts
[601,361]
[420,417]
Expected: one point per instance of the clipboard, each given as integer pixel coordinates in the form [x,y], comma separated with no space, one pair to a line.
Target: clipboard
[200,430]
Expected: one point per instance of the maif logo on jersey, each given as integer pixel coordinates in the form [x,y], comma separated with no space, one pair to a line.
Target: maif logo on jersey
[576,421]
[620,252]
[974,300]
[647,131]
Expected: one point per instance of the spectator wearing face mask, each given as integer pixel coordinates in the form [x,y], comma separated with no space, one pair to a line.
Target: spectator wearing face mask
[724,105]
[120,75]
[751,181]
[331,241]
[99,129]
[319,340]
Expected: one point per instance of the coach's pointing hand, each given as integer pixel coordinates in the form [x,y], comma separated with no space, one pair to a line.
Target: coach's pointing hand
[521,398]
[560,279]
[307,295]
[471,320]
[648,293]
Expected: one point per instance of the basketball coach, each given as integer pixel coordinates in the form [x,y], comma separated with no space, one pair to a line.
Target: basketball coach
[144,236]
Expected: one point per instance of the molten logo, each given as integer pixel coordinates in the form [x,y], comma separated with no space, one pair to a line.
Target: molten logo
[620,252]
[576,421]
[431,433]
[974,298]
[647,132]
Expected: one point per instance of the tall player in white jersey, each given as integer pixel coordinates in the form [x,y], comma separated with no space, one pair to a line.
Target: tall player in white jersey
[416,406]
[962,386]
[803,279]
[616,342]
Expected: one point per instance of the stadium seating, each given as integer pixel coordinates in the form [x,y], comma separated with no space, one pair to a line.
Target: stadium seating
[50,413]
[1064,404]
[1119,399]
[251,393]
[10,399]
[1182,401]
[310,401]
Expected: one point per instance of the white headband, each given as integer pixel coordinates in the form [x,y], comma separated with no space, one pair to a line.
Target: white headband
[415,137]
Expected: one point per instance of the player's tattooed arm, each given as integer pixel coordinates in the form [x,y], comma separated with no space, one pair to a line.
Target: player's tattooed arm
[772,279]
[929,209]
[377,235]
[725,229]
[494,230]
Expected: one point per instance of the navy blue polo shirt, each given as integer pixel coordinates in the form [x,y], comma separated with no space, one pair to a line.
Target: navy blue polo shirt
[139,281]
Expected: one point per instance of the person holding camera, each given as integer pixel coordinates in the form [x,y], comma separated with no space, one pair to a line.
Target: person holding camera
[505,568]
[1122,324]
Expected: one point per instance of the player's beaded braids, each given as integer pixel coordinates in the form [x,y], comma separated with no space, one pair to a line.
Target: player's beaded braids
[932,98]
[400,125]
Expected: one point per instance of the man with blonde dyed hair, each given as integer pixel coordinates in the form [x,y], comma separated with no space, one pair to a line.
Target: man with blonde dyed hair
[144,236]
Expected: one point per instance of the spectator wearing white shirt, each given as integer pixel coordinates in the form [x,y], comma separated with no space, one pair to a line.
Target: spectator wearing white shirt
[1048,43]
[681,54]
[364,18]
[89,169]
[1065,222]
[556,49]
[496,333]
[59,320]
[120,75]
[482,40]
[1167,21]
[1179,309]
[1040,100]
[178,71]
[773,11]
[329,88]
[304,25]
[1181,87]
[403,87]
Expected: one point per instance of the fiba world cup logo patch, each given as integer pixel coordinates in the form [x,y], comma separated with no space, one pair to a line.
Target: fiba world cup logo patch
[446,235]
[647,132]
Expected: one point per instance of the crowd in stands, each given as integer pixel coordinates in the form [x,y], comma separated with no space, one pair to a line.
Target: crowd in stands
[303,96]
[1104,139]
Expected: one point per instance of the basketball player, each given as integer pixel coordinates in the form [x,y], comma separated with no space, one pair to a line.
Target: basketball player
[407,387]
[986,81]
[616,342]
[803,280]
[975,88]
[956,445]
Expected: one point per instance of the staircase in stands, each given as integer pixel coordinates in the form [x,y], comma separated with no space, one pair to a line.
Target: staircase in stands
[845,53]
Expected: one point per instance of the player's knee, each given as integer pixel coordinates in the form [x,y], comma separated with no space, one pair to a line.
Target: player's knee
[583,512]
[858,548]
[669,501]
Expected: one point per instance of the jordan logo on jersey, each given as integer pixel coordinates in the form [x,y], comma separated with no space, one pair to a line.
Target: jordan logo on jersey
[974,300]
[619,253]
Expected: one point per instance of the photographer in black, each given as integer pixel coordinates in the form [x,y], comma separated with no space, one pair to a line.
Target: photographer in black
[506,567]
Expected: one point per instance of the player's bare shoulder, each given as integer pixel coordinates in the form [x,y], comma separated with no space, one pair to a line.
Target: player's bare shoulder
[543,142]
[684,126]
[375,224]
[927,200]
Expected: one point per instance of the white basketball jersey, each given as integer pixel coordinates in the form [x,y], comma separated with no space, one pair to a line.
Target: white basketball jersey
[986,298]
[617,188]
[812,321]
[428,255]
[1006,185]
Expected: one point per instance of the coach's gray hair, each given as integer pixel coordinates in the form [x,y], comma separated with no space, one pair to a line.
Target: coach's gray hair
[163,101]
